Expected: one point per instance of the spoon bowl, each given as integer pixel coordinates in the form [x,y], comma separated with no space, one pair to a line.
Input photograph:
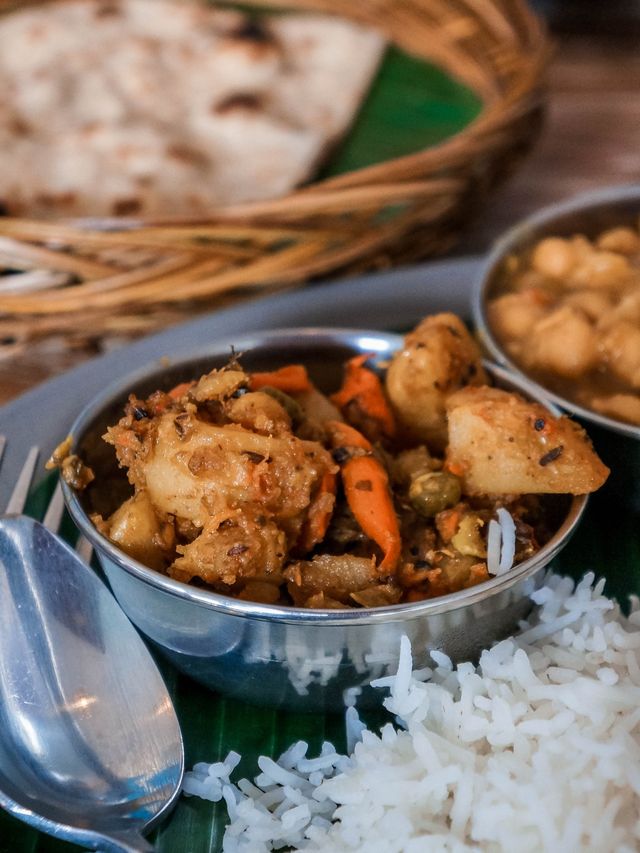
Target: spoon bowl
[90,746]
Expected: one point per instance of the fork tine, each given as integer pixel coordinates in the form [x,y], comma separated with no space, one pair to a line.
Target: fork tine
[55,510]
[84,549]
[53,515]
[21,490]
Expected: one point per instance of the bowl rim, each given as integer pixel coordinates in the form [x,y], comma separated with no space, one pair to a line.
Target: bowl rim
[383,342]
[504,245]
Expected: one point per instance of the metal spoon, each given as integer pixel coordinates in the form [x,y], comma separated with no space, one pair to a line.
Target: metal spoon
[90,747]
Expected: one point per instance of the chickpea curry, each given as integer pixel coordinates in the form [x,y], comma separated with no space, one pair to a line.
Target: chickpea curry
[260,486]
[568,313]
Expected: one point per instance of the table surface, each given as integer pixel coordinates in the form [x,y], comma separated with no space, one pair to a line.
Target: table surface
[590,140]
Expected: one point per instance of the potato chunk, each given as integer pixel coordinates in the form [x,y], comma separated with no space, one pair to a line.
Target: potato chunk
[233,546]
[501,444]
[437,358]
[259,412]
[135,527]
[209,469]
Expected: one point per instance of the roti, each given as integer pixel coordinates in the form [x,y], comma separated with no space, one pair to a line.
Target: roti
[167,108]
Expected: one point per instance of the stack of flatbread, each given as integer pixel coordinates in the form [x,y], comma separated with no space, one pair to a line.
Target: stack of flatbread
[162,107]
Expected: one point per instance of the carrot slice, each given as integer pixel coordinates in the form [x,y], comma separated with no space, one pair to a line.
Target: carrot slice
[292,379]
[363,388]
[366,487]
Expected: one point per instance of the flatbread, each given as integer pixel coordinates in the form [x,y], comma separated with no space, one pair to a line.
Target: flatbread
[169,108]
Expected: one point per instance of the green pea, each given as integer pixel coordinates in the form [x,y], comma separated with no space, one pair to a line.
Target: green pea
[291,406]
[430,493]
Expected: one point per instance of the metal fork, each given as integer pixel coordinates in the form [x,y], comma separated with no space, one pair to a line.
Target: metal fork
[55,508]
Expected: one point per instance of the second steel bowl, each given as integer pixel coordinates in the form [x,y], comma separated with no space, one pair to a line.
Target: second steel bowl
[618,443]
[286,656]
[588,214]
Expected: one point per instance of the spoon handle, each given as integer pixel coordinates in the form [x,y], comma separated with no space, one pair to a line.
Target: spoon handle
[125,842]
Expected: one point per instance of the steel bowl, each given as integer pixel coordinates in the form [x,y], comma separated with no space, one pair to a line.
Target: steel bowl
[286,656]
[589,214]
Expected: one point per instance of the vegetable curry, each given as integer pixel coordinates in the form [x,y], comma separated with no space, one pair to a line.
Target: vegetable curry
[262,487]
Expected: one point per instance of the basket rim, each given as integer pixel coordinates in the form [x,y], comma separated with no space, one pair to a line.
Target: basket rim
[394,212]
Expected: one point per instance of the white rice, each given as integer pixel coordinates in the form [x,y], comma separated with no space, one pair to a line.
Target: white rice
[535,749]
[508,545]
[501,543]
[494,542]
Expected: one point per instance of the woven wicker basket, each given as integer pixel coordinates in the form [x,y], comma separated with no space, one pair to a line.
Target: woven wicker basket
[131,278]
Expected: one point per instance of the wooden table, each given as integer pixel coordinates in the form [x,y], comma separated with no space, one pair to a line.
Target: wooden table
[590,140]
[591,136]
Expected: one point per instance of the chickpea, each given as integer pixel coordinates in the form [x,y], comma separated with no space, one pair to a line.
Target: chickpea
[602,269]
[571,307]
[623,240]
[563,342]
[621,347]
[513,314]
[594,303]
[554,257]
[624,407]
[529,279]
[627,309]
[582,247]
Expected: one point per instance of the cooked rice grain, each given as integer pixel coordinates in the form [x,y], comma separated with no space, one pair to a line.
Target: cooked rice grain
[535,749]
